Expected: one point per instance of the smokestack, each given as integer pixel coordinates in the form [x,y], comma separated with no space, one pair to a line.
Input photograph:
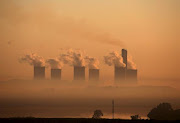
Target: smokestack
[131,75]
[124,55]
[39,72]
[119,74]
[94,74]
[79,73]
[56,74]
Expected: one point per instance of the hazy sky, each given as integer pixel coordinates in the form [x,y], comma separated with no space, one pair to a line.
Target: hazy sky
[148,29]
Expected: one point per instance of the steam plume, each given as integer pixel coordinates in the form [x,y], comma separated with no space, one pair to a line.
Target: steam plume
[130,64]
[114,58]
[46,18]
[73,58]
[54,63]
[92,62]
[33,59]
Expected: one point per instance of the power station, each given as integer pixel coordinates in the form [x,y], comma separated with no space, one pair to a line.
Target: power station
[39,72]
[55,74]
[124,56]
[131,76]
[79,73]
[94,74]
[121,74]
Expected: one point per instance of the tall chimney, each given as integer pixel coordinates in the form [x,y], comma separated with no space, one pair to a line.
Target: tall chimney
[119,74]
[56,74]
[94,74]
[79,73]
[124,55]
[39,72]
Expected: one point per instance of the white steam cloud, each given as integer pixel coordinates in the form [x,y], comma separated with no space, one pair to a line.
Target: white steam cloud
[73,58]
[78,58]
[54,63]
[93,63]
[130,64]
[32,59]
[114,59]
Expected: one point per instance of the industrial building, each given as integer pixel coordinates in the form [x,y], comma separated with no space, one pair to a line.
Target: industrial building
[79,73]
[94,74]
[119,74]
[123,74]
[56,74]
[39,72]
[131,75]
[124,56]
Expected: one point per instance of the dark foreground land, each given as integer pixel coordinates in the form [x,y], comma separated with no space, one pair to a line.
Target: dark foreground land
[77,120]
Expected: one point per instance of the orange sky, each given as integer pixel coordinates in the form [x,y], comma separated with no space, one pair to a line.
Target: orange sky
[148,29]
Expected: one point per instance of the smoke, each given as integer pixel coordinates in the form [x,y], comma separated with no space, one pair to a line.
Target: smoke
[109,39]
[73,58]
[45,17]
[92,62]
[9,42]
[130,63]
[54,63]
[78,58]
[32,59]
[114,58]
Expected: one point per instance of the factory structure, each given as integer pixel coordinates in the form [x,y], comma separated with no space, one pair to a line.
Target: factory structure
[79,73]
[94,74]
[121,74]
[55,74]
[39,72]
[131,75]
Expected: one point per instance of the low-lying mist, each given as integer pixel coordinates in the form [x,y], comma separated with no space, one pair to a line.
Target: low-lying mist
[56,98]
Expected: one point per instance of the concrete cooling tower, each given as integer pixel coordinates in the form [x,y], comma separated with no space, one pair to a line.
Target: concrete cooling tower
[79,73]
[119,74]
[55,74]
[94,74]
[131,75]
[39,72]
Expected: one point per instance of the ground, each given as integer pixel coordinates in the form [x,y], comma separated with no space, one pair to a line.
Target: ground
[76,120]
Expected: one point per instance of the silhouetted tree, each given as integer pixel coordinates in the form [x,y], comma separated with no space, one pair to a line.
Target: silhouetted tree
[135,117]
[163,111]
[97,114]
[176,114]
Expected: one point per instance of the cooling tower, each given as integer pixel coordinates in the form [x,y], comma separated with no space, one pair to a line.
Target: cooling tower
[131,75]
[94,74]
[124,55]
[39,72]
[79,73]
[119,74]
[55,73]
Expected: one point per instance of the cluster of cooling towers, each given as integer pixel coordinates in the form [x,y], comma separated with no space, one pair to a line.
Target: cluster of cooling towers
[121,74]
[79,73]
